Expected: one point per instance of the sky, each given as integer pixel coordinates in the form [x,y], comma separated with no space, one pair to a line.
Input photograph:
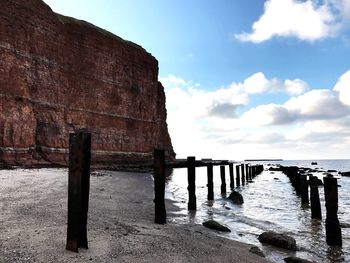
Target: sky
[243,79]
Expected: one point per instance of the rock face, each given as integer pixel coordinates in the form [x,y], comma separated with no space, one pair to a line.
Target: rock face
[59,74]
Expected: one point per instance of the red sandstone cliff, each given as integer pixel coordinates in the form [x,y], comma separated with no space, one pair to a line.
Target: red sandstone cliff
[59,74]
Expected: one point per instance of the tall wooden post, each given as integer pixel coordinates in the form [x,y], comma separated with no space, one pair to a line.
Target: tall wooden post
[238,175]
[304,189]
[210,182]
[243,177]
[223,179]
[159,186]
[232,181]
[191,176]
[78,190]
[246,173]
[333,230]
[315,199]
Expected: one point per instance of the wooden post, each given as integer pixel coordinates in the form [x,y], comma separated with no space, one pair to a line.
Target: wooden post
[191,176]
[223,179]
[333,230]
[78,190]
[315,199]
[237,176]
[210,182]
[159,186]
[246,173]
[304,189]
[232,181]
[243,177]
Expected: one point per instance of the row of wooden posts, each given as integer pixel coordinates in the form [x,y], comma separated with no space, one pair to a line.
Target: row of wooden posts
[301,186]
[79,185]
[244,173]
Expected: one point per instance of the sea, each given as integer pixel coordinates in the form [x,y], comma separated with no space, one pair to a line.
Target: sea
[270,203]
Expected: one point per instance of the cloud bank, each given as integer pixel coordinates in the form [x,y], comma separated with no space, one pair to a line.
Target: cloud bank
[224,122]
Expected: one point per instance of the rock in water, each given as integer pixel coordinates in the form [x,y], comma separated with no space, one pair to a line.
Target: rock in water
[59,74]
[236,198]
[212,224]
[278,240]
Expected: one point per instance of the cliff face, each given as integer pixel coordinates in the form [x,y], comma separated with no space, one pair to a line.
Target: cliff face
[59,74]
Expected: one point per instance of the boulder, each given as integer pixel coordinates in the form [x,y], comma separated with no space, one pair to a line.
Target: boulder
[236,198]
[212,224]
[278,240]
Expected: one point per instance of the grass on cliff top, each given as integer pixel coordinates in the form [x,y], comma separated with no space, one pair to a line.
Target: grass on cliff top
[71,20]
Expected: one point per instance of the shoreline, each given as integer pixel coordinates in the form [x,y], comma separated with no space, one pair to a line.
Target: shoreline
[120,222]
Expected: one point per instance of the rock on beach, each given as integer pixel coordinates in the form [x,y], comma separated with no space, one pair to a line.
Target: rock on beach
[278,240]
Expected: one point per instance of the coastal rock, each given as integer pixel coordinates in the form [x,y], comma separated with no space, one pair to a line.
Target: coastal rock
[278,240]
[59,74]
[236,198]
[344,173]
[257,251]
[296,260]
[212,224]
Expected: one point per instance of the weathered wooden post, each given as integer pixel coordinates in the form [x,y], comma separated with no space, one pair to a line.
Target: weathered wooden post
[191,176]
[237,176]
[159,186]
[243,177]
[223,179]
[210,181]
[333,230]
[78,189]
[232,181]
[315,199]
[304,189]
[246,173]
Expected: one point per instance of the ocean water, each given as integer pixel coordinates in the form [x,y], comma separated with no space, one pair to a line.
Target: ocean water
[270,203]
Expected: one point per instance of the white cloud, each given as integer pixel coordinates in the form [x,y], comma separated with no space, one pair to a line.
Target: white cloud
[305,20]
[313,105]
[317,104]
[343,87]
[258,83]
[295,87]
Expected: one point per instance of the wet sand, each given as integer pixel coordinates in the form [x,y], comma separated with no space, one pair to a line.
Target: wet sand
[33,218]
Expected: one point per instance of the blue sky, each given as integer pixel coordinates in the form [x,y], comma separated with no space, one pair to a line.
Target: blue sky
[243,79]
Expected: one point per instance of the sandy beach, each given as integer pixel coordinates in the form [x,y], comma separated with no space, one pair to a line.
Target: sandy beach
[33,220]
